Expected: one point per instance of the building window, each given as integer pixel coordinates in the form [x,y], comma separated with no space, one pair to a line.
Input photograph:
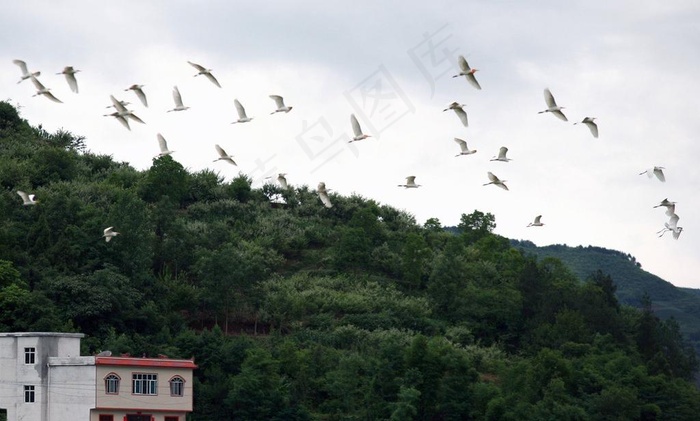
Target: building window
[28,394]
[177,384]
[172,418]
[29,355]
[112,384]
[144,384]
[104,417]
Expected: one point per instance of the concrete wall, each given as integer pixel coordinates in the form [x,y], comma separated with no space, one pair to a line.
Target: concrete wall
[71,388]
[15,374]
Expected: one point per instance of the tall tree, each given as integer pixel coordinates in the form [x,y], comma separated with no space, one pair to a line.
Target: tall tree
[476,225]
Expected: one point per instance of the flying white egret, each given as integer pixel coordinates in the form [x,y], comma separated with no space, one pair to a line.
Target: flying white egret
[537,222]
[242,116]
[163,146]
[675,230]
[356,130]
[670,206]
[323,195]
[206,72]
[656,171]
[279,102]
[464,150]
[496,181]
[672,226]
[42,90]
[123,111]
[552,106]
[139,93]
[109,233]
[501,155]
[25,73]
[467,72]
[70,72]
[223,156]
[122,119]
[178,100]
[282,180]
[27,199]
[590,123]
[410,183]
[459,110]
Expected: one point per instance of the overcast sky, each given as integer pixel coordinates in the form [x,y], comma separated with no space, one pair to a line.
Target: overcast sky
[632,64]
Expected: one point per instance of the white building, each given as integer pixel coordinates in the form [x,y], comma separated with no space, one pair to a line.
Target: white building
[44,378]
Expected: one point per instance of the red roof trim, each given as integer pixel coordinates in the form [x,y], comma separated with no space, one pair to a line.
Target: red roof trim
[145,362]
[145,411]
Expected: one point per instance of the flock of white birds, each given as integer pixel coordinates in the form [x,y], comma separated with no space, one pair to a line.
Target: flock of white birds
[124,115]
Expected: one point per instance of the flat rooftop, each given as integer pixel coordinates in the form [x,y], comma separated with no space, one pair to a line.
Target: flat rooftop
[45,334]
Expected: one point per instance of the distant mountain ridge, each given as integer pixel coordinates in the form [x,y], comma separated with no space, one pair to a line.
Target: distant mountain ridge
[632,281]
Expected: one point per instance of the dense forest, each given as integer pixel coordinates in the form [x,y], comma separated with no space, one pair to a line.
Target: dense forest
[683,304]
[295,311]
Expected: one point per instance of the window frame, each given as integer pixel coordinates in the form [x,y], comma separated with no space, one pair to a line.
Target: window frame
[29,355]
[29,393]
[148,383]
[112,378]
[180,381]
[106,417]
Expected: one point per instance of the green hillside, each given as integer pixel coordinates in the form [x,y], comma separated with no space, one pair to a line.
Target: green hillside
[296,311]
[631,280]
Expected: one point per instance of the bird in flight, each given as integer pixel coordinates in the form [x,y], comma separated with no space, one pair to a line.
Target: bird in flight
[467,72]
[552,106]
[323,195]
[139,93]
[27,199]
[242,116]
[670,206]
[501,155]
[25,73]
[123,111]
[671,226]
[656,171]
[410,183]
[178,100]
[496,181]
[356,130]
[464,150]
[281,108]
[459,110]
[109,233]
[70,72]
[120,118]
[42,90]
[223,156]
[537,222]
[282,180]
[590,123]
[206,72]
[163,146]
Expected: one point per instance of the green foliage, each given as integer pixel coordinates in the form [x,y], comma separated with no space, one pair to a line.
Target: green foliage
[8,274]
[298,312]
[166,177]
[476,225]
